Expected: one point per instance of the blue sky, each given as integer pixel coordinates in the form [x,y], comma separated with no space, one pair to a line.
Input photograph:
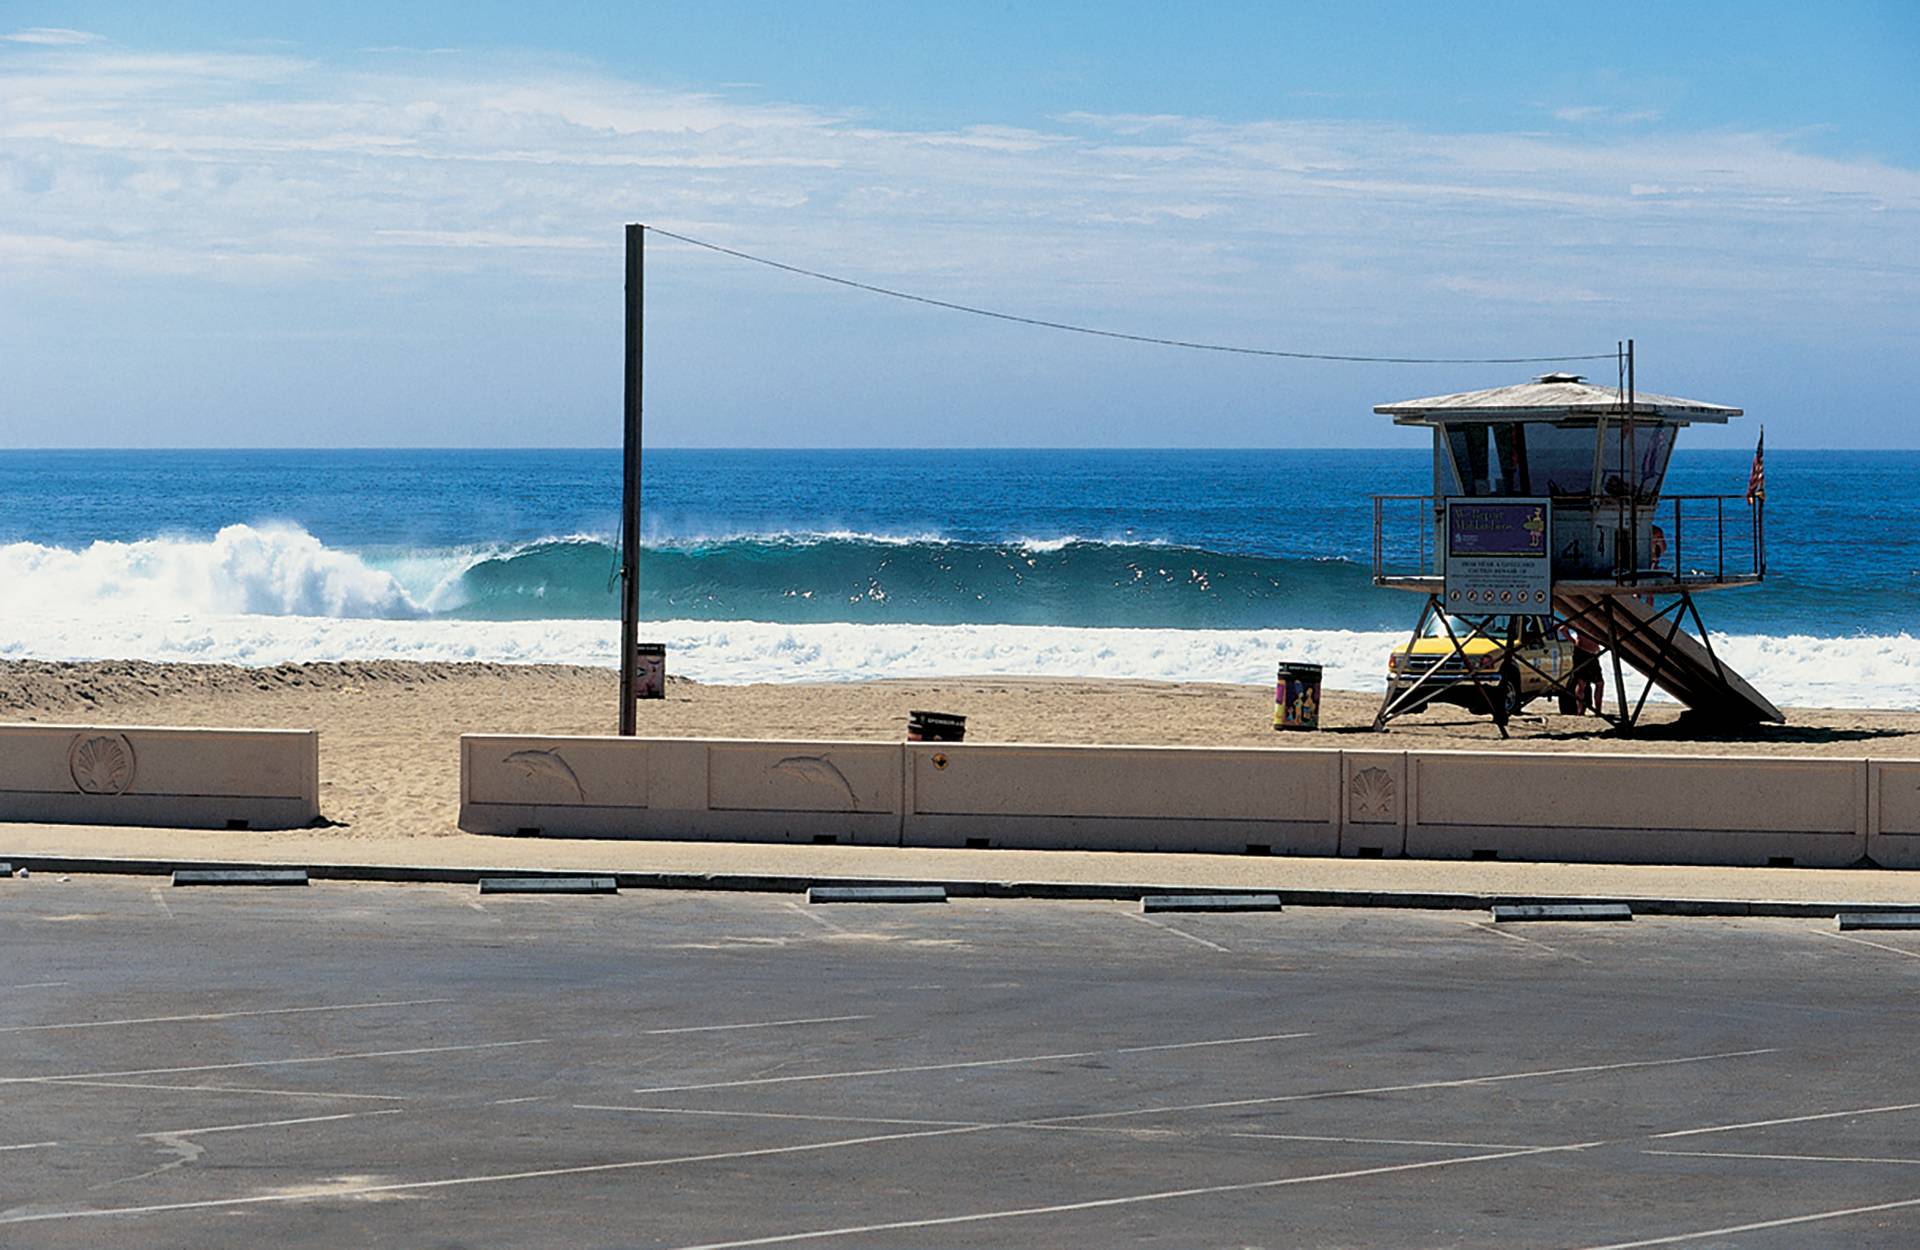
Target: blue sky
[282,224]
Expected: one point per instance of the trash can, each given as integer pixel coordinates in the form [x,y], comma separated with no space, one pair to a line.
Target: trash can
[936,727]
[650,670]
[1296,697]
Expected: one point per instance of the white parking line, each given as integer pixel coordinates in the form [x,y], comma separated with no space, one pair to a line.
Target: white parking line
[1389,1141]
[758,1024]
[1043,1125]
[1792,1119]
[305,1119]
[1744,1154]
[1095,1204]
[218,1015]
[1021,1126]
[970,1063]
[1136,1133]
[1538,1074]
[814,916]
[492,1178]
[228,1089]
[1191,937]
[1730,1229]
[38,985]
[946,1130]
[1273,1099]
[784,1115]
[349,1191]
[32,1145]
[1858,941]
[271,1063]
[1487,927]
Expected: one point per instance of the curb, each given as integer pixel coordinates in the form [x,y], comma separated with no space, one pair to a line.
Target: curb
[1421,900]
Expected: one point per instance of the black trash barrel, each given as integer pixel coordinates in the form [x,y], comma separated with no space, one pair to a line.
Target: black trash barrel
[935,727]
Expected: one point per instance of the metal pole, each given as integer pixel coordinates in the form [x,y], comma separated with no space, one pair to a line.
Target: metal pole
[1720,525]
[1633,477]
[1619,674]
[630,485]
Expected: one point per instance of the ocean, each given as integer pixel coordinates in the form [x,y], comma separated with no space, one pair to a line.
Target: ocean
[843,565]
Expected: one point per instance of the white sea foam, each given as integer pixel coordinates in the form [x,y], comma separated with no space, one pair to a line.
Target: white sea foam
[271,570]
[788,537]
[1038,545]
[1881,671]
[923,538]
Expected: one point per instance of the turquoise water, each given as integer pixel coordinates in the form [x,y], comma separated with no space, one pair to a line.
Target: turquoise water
[1100,539]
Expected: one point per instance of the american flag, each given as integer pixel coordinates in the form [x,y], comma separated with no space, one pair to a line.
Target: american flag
[1757,479]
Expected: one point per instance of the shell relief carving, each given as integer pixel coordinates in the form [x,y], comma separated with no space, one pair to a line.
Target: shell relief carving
[1370,796]
[550,770]
[818,770]
[101,763]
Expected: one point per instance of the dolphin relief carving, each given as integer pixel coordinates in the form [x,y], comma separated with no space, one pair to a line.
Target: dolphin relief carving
[821,771]
[547,765]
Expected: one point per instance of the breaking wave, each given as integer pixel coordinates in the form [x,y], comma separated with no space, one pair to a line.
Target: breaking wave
[242,570]
[793,578]
[794,607]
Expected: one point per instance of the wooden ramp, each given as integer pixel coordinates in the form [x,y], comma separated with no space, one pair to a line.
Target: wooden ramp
[1675,660]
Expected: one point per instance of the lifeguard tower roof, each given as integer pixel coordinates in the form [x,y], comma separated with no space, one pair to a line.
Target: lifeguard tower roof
[1549,397]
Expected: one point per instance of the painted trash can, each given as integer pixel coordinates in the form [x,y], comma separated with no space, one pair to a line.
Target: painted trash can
[650,670]
[1296,697]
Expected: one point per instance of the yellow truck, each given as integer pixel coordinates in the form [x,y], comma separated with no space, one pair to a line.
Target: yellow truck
[1505,684]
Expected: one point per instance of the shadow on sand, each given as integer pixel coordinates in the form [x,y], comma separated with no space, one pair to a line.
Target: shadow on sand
[1687,727]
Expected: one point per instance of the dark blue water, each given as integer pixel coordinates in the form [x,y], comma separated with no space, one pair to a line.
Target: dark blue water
[1244,539]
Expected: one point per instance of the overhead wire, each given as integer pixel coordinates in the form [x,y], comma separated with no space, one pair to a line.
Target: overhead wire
[1155,340]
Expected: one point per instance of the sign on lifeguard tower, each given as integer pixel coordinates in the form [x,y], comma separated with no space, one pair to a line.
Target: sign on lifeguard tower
[1498,557]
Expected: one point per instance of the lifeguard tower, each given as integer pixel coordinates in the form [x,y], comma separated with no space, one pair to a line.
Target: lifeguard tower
[1547,514]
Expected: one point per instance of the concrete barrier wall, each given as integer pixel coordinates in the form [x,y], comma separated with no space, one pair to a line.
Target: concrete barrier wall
[1124,798]
[681,788]
[1432,804]
[1637,808]
[1373,792]
[169,778]
[1893,810]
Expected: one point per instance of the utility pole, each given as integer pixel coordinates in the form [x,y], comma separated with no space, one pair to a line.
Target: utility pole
[630,487]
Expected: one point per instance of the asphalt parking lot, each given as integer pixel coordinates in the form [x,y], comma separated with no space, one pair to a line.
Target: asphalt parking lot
[419,1066]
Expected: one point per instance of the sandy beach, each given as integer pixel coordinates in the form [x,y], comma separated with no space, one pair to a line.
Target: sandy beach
[389,729]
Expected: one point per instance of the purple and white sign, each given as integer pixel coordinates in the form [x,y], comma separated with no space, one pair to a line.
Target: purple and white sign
[1504,527]
[1499,557]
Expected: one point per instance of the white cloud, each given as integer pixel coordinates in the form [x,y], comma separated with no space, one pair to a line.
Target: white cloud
[1606,113]
[243,166]
[491,239]
[53,36]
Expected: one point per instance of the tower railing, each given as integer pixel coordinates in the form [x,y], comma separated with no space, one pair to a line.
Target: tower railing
[1691,541]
